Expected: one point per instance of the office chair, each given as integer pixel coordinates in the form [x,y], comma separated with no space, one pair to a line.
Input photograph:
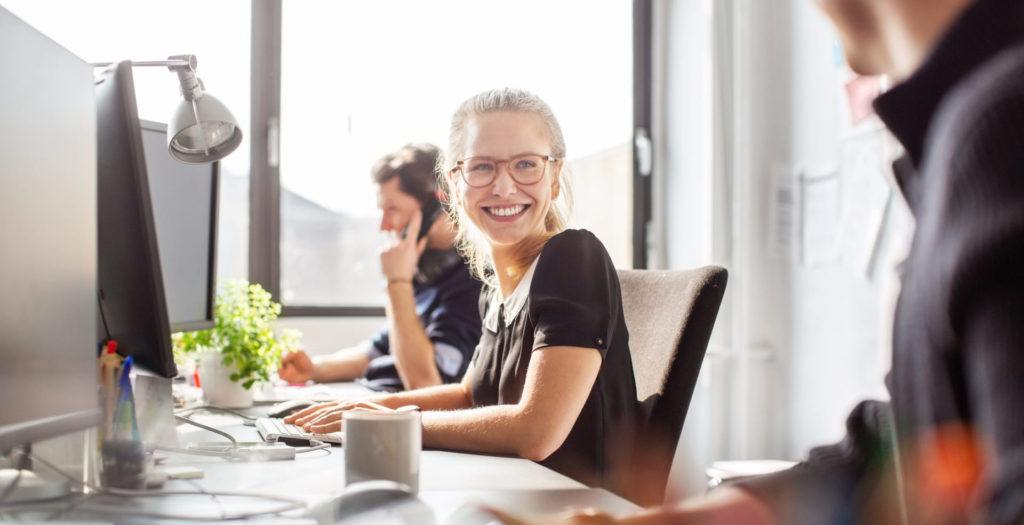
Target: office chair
[669,315]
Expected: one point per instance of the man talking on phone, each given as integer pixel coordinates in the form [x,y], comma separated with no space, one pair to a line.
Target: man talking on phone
[433,319]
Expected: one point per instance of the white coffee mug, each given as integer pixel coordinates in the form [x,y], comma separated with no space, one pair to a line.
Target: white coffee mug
[383,445]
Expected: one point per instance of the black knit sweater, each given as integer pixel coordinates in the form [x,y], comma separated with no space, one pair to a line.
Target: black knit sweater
[957,378]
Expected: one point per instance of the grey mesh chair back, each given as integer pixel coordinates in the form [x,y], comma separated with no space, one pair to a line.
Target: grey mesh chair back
[669,315]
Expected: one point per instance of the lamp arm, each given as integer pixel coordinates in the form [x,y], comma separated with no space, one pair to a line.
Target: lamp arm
[173,63]
[170,64]
[183,65]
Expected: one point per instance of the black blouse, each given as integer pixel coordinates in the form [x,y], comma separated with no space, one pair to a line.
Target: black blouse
[570,297]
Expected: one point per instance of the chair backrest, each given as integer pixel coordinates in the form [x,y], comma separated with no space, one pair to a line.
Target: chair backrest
[669,315]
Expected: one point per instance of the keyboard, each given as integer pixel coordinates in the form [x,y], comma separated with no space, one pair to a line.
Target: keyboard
[274,429]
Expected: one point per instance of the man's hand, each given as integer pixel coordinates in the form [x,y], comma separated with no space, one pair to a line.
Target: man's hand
[296,367]
[398,261]
[325,418]
[722,506]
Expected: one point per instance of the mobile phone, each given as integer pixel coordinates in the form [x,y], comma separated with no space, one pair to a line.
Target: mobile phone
[431,210]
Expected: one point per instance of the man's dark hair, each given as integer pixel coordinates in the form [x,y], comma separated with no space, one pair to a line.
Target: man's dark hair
[414,165]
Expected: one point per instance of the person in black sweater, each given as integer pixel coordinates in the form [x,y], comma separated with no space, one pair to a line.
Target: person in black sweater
[949,447]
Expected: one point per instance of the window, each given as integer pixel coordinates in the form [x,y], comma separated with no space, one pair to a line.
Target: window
[112,30]
[350,81]
[359,79]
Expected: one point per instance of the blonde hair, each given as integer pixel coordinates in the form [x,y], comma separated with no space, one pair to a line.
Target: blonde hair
[469,240]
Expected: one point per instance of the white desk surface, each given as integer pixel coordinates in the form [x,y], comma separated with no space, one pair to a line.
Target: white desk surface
[448,480]
[322,473]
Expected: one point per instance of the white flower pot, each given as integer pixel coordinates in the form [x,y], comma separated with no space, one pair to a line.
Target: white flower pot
[218,388]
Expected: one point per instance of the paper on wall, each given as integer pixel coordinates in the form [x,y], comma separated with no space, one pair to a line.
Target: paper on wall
[784,214]
[866,198]
[820,202]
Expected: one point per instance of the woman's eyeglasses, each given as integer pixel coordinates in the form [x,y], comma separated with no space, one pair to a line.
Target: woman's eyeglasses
[525,169]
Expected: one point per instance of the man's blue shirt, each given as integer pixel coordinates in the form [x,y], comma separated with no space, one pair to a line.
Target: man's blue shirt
[448,308]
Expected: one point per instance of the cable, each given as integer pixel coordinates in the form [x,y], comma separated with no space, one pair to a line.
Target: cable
[234,444]
[71,506]
[314,448]
[114,510]
[213,497]
[316,445]
[194,451]
[290,504]
[189,411]
[121,511]
[103,316]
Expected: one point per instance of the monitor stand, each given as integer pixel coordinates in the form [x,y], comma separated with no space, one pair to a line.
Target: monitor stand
[154,408]
[30,487]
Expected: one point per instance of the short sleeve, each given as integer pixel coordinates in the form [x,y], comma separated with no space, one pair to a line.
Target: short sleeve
[482,304]
[378,345]
[574,298]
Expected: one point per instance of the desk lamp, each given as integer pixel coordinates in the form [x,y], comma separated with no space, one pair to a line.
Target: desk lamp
[202,129]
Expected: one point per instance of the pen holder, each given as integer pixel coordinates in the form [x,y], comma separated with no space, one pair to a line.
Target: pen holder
[123,464]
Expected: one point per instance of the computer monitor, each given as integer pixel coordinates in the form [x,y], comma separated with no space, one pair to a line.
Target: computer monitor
[133,307]
[48,370]
[184,198]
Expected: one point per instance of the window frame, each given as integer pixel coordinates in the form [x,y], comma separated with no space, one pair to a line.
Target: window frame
[265,179]
[643,95]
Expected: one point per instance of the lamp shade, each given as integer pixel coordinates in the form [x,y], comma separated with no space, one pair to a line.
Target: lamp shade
[202,130]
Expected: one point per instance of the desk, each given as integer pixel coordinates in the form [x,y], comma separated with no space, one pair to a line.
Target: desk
[448,480]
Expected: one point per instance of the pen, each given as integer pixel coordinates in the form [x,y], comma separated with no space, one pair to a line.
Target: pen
[126,403]
[109,364]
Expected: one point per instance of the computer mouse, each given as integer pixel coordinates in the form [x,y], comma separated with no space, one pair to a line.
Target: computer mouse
[380,502]
[287,408]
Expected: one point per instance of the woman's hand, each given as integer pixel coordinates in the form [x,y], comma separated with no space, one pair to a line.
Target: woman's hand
[325,418]
[308,411]
[398,261]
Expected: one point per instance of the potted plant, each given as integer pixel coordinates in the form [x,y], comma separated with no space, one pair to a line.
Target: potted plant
[241,348]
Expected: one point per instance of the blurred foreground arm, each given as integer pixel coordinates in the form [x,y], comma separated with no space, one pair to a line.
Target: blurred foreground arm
[723,506]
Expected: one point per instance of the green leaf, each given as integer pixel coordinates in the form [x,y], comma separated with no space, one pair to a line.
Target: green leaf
[243,332]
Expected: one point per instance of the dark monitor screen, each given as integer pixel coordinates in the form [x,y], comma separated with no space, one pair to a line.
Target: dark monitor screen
[132,305]
[48,376]
[184,198]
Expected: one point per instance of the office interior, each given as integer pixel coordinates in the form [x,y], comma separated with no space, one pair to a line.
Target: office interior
[700,132]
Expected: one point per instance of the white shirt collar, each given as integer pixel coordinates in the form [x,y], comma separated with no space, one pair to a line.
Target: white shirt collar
[513,303]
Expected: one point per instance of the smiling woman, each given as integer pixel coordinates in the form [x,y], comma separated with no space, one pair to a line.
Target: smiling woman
[517,126]
[397,70]
[552,376]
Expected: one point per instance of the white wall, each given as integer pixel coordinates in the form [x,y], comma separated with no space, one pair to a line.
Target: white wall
[749,92]
[840,317]
[684,108]
[323,335]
